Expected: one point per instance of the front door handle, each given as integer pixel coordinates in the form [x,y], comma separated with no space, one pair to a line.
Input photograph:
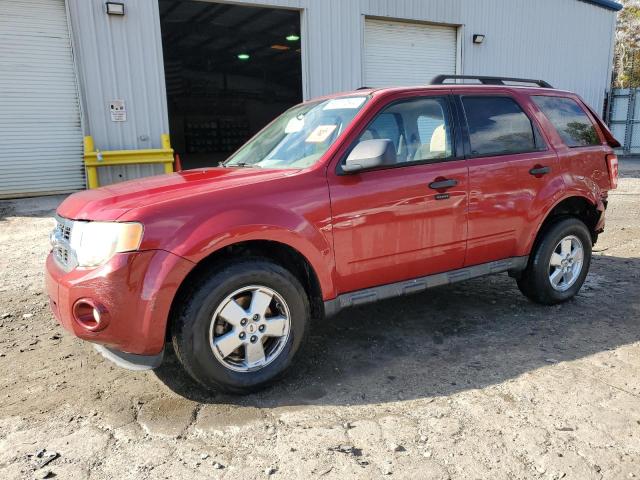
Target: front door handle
[442,184]
[538,171]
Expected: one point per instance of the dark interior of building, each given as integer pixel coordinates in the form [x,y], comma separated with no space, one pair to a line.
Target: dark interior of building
[229,70]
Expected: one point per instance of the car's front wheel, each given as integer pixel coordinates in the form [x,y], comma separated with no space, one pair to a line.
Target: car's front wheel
[559,263]
[241,326]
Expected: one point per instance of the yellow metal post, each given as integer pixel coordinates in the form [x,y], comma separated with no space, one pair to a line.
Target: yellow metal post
[166,145]
[107,158]
[165,142]
[92,171]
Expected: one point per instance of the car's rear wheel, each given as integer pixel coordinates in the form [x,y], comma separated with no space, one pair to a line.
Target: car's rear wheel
[240,327]
[559,263]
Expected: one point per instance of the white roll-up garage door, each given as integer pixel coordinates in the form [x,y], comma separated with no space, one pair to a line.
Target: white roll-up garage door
[400,53]
[40,133]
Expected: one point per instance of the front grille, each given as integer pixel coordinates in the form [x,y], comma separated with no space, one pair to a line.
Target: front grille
[62,254]
[60,242]
[64,230]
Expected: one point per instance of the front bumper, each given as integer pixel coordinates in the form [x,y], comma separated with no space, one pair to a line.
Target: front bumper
[130,361]
[135,290]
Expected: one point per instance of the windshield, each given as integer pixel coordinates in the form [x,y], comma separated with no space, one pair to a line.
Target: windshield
[300,136]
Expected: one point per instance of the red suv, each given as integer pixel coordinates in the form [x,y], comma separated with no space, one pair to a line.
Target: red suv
[340,201]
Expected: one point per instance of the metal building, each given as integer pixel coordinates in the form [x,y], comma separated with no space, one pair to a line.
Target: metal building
[211,73]
[623,116]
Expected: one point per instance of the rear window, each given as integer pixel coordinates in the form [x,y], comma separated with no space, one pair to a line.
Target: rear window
[498,126]
[569,119]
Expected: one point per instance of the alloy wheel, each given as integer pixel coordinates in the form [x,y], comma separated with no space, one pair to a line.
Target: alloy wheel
[250,328]
[566,263]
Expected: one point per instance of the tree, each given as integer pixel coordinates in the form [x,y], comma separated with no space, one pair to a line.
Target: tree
[627,54]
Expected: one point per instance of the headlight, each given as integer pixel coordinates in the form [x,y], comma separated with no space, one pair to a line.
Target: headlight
[94,243]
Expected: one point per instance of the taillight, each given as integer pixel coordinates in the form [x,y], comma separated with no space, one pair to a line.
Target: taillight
[612,165]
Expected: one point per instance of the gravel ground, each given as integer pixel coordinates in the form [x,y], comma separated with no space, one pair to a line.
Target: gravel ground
[465,382]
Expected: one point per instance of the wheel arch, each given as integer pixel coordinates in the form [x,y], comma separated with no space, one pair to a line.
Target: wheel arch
[281,253]
[578,206]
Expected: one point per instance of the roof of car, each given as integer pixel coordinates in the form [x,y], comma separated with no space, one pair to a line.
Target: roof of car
[456,86]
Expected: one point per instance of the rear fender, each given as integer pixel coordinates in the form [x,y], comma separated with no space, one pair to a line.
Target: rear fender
[592,200]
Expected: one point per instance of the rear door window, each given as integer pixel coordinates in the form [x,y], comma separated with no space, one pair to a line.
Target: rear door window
[569,119]
[498,126]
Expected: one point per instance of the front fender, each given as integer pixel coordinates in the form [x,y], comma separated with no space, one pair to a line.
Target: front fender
[200,236]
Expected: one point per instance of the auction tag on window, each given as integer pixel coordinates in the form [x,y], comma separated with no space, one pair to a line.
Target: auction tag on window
[345,103]
[321,133]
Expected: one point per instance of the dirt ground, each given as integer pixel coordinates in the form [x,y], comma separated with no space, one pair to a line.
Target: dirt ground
[463,382]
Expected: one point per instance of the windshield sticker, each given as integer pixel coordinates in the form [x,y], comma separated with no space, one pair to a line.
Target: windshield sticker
[321,133]
[295,125]
[345,103]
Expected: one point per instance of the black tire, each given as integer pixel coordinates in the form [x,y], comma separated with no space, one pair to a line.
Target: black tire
[535,282]
[192,321]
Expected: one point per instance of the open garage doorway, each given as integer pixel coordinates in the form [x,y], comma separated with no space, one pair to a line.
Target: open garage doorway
[229,70]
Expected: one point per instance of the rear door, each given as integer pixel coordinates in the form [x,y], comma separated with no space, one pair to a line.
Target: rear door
[396,224]
[512,173]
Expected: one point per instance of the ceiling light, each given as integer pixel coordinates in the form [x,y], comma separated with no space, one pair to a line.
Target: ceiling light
[293,37]
[243,56]
[279,47]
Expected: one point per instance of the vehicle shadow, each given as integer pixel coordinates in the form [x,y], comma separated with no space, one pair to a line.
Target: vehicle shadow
[466,336]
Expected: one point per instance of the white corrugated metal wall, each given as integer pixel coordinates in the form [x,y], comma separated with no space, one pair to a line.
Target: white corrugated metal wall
[566,42]
[40,132]
[569,43]
[120,58]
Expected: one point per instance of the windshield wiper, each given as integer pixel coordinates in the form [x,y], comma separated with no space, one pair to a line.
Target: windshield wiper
[243,165]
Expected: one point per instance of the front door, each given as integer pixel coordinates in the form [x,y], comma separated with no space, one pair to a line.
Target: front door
[408,220]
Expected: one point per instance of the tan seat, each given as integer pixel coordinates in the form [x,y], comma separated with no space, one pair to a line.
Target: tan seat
[437,148]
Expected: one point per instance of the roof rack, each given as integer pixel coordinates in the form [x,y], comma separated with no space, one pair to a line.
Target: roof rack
[440,80]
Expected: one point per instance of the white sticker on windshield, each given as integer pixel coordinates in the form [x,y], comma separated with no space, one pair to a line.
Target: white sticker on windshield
[345,103]
[294,125]
[321,133]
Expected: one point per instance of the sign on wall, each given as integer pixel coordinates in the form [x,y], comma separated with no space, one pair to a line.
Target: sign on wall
[118,111]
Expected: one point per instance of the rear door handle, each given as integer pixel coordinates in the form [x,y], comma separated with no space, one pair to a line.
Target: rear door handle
[540,171]
[442,184]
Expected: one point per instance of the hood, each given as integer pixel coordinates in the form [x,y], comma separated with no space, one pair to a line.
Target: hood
[113,201]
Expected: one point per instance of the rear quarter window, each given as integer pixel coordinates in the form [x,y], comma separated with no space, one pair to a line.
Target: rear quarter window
[569,119]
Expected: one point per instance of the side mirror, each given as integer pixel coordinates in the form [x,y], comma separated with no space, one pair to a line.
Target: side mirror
[370,154]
